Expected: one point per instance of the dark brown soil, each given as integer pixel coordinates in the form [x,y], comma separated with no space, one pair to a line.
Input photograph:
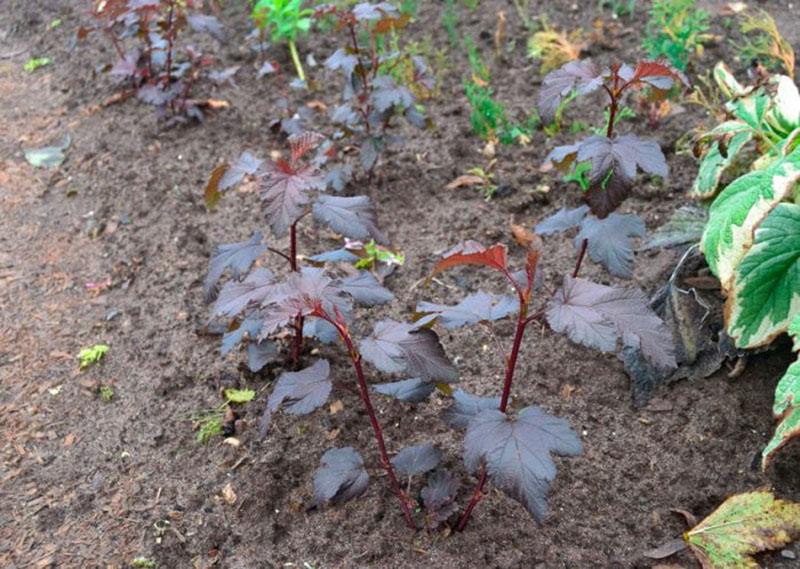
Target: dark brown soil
[88,484]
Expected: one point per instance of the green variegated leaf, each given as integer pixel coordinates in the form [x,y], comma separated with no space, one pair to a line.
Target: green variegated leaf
[765,295]
[729,128]
[751,109]
[740,207]
[715,163]
[784,117]
[787,401]
[727,83]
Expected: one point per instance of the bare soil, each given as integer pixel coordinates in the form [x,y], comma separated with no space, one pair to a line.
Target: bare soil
[87,483]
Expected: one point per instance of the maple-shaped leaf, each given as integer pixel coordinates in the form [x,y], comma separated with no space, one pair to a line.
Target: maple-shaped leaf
[341,477]
[478,307]
[238,256]
[387,93]
[353,217]
[284,191]
[621,156]
[260,354]
[298,392]
[473,253]
[411,390]
[582,76]
[235,296]
[516,452]
[596,316]
[246,164]
[743,526]
[563,220]
[126,66]
[342,59]
[248,329]
[609,241]
[466,406]
[395,347]
[365,289]
[206,24]
[439,497]
[417,459]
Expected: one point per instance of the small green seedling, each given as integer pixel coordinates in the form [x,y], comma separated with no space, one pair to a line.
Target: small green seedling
[239,395]
[93,355]
[35,63]
[285,20]
[143,563]
[107,393]
[212,422]
[55,23]
[374,253]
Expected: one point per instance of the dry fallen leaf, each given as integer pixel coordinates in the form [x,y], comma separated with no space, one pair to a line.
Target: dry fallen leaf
[228,494]
[336,407]
[465,181]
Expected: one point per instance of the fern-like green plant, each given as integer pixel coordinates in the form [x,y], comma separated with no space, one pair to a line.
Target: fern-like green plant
[676,31]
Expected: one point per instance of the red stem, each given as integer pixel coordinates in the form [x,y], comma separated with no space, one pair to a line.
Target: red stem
[511,364]
[581,255]
[355,356]
[168,78]
[297,341]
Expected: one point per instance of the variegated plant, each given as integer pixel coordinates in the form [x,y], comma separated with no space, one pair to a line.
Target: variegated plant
[752,238]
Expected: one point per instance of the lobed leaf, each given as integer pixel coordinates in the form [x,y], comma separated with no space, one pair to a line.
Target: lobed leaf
[516,452]
[582,76]
[466,406]
[685,226]
[609,241]
[238,256]
[478,307]
[353,217]
[439,497]
[563,220]
[365,289]
[246,164]
[395,347]
[284,191]
[299,392]
[596,316]
[412,390]
[417,459]
[341,477]
[235,296]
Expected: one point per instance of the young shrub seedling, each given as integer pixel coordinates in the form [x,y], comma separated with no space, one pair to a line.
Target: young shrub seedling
[764,43]
[285,20]
[155,69]
[613,160]
[309,302]
[752,238]
[512,449]
[91,356]
[371,96]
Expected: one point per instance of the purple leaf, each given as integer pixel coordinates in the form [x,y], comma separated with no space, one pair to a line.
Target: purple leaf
[340,478]
[606,194]
[238,256]
[353,217]
[284,192]
[609,241]
[517,450]
[622,155]
[260,354]
[157,96]
[478,307]
[235,296]
[267,69]
[579,75]
[563,220]
[336,256]
[395,347]
[204,24]
[245,165]
[299,392]
[247,330]
[367,11]
[466,406]
[417,459]
[596,315]
[562,156]
[341,59]
[387,94]
[125,67]
[439,497]
[412,390]
[365,289]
